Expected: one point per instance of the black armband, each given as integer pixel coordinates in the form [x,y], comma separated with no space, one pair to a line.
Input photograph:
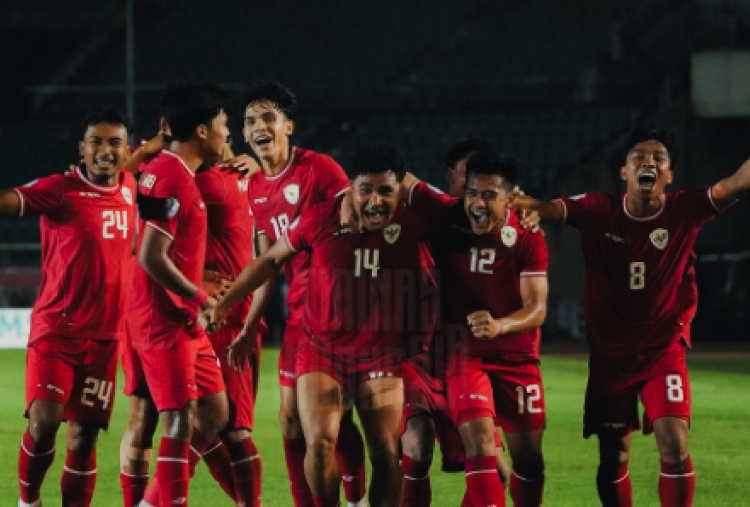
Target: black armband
[160,209]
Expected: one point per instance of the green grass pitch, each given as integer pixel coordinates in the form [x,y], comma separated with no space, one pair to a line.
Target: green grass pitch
[720,441]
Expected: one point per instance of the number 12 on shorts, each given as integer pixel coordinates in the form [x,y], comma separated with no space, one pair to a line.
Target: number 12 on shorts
[96,388]
[527,397]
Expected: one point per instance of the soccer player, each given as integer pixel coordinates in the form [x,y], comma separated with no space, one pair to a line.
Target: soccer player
[292,180]
[87,221]
[639,298]
[176,356]
[494,300]
[355,319]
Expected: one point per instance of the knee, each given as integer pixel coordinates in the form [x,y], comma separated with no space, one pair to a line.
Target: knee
[673,447]
[82,439]
[613,454]
[322,447]
[418,443]
[384,454]
[44,427]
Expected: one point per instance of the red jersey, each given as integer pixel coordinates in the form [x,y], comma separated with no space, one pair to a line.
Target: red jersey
[230,225]
[277,201]
[86,236]
[481,272]
[159,316]
[362,285]
[638,292]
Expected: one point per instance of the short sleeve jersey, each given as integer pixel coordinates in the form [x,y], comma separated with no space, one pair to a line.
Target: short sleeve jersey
[481,272]
[86,236]
[160,316]
[230,224]
[277,201]
[639,291]
[360,283]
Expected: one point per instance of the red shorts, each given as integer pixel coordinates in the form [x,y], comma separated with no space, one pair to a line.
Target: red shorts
[293,335]
[242,386]
[79,373]
[424,394]
[348,367]
[187,371]
[511,393]
[135,379]
[659,376]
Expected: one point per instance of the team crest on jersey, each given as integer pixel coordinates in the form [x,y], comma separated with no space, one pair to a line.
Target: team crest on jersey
[509,235]
[660,238]
[291,192]
[391,233]
[127,195]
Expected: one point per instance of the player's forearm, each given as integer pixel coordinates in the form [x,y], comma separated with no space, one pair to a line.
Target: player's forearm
[165,273]
[255,274]
[136,159]
[10,203]
[527,318]
[260,301]
[728,190]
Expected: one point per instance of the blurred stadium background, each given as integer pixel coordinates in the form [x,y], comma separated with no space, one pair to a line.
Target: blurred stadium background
[557,83]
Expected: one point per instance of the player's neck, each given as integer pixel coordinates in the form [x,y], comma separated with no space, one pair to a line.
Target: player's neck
[275,164]
[101,181]
[644,208]
[189,154]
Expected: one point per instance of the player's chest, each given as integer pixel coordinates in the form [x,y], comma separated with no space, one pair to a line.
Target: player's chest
[275,207]
[473,259]
[653,240]
[99,216]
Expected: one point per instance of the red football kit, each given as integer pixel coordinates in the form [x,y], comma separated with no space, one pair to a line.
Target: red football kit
[639,297]
[498,377]
[177,358]
[361,292]
[77,320]
[229,249]
[277,201]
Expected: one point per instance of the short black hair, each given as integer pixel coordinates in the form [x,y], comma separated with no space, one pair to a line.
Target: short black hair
[492,163]
[461,148]
[276,93]
[106,114]
[652,133]
[186,105]
[378,158]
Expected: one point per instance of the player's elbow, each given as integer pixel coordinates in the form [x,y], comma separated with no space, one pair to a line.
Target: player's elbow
[538,314]
[150,260]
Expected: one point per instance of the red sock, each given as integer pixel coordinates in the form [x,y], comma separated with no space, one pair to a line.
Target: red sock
[247,471]
[526,492]
[350,455]
[677,484]
[34,459]
[294,453]
[133,488]
[151,496]
[417,491]
[78,478]
[483,483]
[614,487]
[332,501]
[218,461]
[172,471]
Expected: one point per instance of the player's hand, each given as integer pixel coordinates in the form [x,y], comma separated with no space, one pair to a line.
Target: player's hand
[216,317]
[203,313]
[529,219]
[153,146]
[72,168]
[242,163]
[483,326]
[349,217]
[215,283]
[244,347]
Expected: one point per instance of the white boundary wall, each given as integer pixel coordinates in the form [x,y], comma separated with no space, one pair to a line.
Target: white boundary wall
[14,327]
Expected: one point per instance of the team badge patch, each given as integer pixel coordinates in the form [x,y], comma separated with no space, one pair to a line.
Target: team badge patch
[291,192]
[172,207]
[391,233]
[509,235]
[660,238]
[127,195]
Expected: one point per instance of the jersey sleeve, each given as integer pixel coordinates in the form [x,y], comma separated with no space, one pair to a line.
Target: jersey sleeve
[698,204]
[577,209]
[533,254]
[168,195]
[331,177]
[301,232]
[41,196]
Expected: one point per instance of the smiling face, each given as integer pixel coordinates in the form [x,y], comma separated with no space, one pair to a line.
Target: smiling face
[647,169]
[267,130]
[375,198]
[485,202]
[104,149]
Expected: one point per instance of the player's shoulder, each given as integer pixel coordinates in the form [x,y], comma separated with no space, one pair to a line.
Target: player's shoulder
[688,195]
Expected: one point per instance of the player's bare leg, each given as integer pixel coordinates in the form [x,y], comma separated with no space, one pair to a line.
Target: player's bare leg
[136,448]
[417,445]
[503,469]
[350,453]
[38,448]
[380,404]
[79,474]
[294,447]
[483,486]
[677,479]
[612,478]
[321,407]
[527,480]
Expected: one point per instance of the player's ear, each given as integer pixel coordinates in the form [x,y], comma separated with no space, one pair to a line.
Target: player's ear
[670,177]
[201,131]
[289,127]
[624,173]
[80,148]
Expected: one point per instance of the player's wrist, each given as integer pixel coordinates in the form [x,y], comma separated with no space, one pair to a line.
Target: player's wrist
[199,299]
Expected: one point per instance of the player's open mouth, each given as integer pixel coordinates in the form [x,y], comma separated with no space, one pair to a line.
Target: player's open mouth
[263,140]
[480,219]
[104,164]
[374,216]
[647,180]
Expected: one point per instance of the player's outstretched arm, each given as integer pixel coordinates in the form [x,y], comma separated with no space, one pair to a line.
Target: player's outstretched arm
[550,212]
[145,151]
[534,291]
[729,190]
[10,203]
